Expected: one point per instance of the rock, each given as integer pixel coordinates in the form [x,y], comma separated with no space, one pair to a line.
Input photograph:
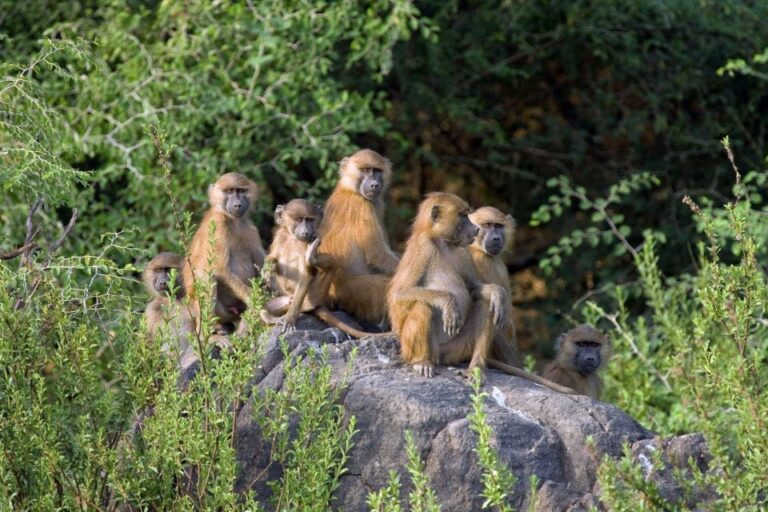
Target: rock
[536,431]
[674,454]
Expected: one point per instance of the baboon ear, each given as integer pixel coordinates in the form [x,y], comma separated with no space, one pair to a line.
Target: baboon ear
[279,214]
[343,163]
[320,210]
[559,342]
[435,213]
[511,220]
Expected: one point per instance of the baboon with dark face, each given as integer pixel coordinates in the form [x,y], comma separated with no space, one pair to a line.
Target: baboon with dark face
[581,352]
[236,255]
[353,235]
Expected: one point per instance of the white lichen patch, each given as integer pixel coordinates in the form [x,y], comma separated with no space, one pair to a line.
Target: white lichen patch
[500,399]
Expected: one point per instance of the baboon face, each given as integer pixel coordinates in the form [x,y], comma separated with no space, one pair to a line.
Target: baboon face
[583,348]
[301,218]
[162,279]
[371,183]
[492,239]
[157,274]
[236,201]
[587,358]
[496,230]
[232,194]
[367,173]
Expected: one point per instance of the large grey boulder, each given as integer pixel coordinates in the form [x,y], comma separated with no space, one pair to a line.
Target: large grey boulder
[536,431]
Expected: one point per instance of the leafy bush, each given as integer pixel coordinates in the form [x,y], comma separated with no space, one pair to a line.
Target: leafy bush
[696,361]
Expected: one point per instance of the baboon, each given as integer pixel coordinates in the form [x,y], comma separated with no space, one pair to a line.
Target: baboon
[162,310]
[438,306]
[353,235]
[581,351]
[494,239]
[236,255]
[299,274]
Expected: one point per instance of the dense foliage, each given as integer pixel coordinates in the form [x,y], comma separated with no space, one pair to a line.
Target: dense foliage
[603,115]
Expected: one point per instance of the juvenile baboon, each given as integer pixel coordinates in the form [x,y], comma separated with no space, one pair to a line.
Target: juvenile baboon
[439,308]
[236,255]
[353,235]
[580,353]
[494,239]
[300,275]
[162,310]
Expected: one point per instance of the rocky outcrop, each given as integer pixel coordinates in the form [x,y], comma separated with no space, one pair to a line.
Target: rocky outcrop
[536,431]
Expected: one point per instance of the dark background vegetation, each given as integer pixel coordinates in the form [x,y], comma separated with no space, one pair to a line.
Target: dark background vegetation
[486,99]
[589,121]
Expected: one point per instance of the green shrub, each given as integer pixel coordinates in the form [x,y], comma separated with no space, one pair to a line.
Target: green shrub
[696,361]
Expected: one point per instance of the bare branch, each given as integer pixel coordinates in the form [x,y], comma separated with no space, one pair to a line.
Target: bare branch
[31,231]
[67,230]
[15,252]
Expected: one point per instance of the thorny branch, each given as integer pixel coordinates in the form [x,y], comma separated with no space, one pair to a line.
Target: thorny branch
[29,244]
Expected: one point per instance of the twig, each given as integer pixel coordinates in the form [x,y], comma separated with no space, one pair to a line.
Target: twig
[636,350]
[15,252]
[67,230]
[31,232]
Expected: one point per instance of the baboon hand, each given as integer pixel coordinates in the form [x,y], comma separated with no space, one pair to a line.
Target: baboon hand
[424,369]
[310,255]
[286,324]
[497,305]
[453,319]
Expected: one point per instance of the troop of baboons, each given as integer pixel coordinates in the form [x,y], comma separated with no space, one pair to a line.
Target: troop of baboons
[447,299]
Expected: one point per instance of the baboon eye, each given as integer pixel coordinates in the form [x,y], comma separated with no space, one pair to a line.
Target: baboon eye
[587,344]
[498,226]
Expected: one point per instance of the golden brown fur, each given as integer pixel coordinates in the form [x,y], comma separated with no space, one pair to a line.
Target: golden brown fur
[437,304]
[581,352]
[353,235]
[494,239]
[236,254]
[300,276]
[161,310]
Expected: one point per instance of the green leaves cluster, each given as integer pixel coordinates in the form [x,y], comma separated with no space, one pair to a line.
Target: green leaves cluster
[421,498]
[498,480]
[601,213]
[695,361]
[269,89]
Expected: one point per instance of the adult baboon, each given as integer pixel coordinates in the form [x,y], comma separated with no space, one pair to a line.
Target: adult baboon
[353,235]
[235,255]
[494,239]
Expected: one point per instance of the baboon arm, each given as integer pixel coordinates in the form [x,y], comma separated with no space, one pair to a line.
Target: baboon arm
[234,283]
[298,298]
[436,298]
[257,251]
[322,261]
[383,258]
[496,296]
